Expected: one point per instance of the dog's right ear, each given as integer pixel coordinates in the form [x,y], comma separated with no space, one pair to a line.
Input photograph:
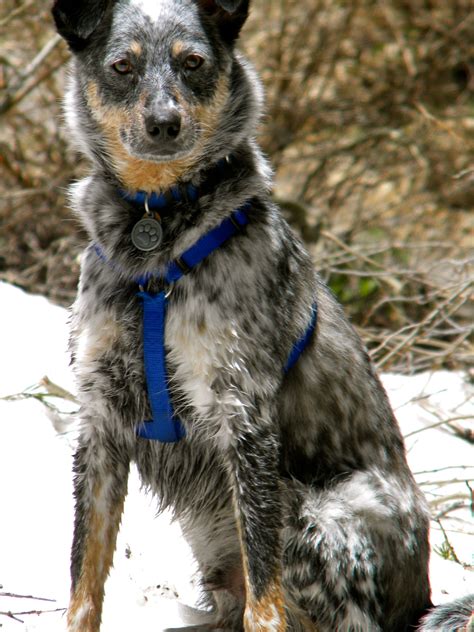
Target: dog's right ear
[77,20]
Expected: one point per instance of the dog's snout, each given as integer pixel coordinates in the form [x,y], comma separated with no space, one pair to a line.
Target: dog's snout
[163,127]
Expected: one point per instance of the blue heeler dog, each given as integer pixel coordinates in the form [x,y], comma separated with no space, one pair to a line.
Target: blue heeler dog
[208,352]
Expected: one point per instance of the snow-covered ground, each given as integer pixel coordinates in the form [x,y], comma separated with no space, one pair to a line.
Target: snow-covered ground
[152,582]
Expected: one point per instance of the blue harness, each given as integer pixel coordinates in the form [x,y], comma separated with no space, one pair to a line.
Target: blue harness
[164,425]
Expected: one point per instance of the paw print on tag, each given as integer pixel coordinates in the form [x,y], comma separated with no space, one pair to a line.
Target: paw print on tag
[147,234]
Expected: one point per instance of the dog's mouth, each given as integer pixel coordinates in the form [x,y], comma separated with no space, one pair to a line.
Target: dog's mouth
[139,146]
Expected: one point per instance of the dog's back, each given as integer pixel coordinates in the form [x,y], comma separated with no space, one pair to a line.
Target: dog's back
[291,482]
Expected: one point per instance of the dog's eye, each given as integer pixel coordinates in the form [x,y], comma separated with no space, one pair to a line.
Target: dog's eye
[122,66]
[193,61]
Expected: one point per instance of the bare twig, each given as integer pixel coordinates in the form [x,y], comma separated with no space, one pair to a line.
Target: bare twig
[26,86]
[15,13]
[15,615]
[448,543]
[52,391]
[17,596]
[37,61]
[444,483]
[471,498]
[443,422]
[449,509]
[442,469]
[10,615]
[431,319]
[57,391]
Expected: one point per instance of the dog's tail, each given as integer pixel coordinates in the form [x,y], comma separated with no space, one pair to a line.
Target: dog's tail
[456,616]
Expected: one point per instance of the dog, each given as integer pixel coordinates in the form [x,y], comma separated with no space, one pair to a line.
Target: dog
[208,352]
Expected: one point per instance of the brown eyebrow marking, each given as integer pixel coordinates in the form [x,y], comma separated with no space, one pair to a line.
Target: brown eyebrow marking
[178,48]
[136,48]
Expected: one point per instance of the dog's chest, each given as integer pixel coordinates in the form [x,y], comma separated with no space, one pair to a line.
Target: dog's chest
[199,345]
[201,350]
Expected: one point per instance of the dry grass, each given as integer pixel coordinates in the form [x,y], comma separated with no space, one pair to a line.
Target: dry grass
[370,126]
[38,240]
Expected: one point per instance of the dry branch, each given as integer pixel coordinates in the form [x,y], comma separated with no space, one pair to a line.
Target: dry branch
[369,124]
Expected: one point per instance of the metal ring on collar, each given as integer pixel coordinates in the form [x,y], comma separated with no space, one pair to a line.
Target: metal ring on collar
[147,208]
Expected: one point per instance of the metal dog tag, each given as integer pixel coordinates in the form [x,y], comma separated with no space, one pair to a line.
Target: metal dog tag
[147,234]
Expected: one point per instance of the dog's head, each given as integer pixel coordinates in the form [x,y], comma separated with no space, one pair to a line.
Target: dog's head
[157,87]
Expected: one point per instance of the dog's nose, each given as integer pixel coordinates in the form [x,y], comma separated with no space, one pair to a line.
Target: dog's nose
[163,127]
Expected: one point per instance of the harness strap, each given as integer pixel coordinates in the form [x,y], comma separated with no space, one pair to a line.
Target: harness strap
[301,343]
[164,426]
[209,242]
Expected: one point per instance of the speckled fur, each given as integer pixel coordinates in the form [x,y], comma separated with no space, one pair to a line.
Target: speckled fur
[293,491]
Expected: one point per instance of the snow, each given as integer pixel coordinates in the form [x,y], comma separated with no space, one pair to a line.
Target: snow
[153,583]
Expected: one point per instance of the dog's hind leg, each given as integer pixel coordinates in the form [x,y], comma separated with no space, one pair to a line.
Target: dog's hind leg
[356,555]
[100,485]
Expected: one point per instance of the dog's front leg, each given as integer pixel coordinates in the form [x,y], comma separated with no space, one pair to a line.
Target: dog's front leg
[100,485]
[254,453]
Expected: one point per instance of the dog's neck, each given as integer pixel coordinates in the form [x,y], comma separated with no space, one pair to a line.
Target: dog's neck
[183,192]
[110,218]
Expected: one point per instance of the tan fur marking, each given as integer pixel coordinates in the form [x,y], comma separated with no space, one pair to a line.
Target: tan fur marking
[201,327]
[94,343]
[144,175]
[177,48]
[209,114]
[85,608]
[268,613]
[136,48]
[134,173]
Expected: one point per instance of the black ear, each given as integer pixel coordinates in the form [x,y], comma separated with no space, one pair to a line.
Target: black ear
[77,20]
[229,16]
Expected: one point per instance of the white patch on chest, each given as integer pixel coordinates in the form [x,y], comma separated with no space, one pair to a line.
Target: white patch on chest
[204,351]
[97,338]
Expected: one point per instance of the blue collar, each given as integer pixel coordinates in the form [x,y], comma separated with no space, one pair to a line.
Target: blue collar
[184,192]
[159,201]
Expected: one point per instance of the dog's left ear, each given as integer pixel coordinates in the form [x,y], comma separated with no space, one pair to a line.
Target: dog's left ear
[229,15]
[76,20]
